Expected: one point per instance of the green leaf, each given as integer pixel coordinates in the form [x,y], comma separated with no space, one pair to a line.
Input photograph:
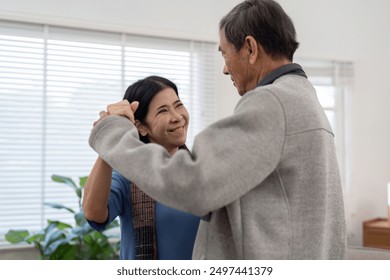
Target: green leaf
[87,227]
[36,238]
[80,218]
[82,230]
[97,246]
[16,236]
[58,206]
[82,181]
[65,180]
[72,237]
[65,252]
[79,193]
[62,241]
[49,250]
[52,234]
[60,225]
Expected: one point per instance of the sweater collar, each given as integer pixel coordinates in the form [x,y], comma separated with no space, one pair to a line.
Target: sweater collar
[288,69]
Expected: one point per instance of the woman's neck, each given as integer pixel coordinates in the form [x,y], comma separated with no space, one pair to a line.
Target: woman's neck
[173,151]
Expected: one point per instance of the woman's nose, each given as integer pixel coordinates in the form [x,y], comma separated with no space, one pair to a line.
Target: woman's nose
[175,116]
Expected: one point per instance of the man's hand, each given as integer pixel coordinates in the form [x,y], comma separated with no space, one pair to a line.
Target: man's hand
[122,108]
[102,115]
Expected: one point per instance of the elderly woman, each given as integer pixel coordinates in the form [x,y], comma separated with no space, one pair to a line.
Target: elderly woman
[149,229]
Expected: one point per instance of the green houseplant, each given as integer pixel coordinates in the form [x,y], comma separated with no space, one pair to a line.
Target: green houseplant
[62,241]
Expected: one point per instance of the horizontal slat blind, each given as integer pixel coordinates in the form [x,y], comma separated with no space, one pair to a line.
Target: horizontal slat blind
[21,126]
[83,75]
[191,65]
[53,83]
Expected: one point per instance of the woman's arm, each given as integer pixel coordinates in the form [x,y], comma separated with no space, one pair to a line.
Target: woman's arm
[96,192]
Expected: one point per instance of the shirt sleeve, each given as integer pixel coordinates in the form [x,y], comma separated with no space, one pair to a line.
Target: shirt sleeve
[119,190]
[228,159]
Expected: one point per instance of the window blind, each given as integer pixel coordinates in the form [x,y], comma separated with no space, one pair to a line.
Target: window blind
[53,83]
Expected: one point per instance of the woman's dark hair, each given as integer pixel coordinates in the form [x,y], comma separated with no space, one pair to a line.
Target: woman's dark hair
[266,21]
[144,91]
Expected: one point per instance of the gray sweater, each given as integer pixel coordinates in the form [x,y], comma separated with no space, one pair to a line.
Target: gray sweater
[268,174]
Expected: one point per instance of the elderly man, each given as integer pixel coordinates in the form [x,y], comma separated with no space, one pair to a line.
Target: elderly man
[266,179]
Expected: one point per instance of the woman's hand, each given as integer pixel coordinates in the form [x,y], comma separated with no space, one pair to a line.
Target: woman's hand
[122,108]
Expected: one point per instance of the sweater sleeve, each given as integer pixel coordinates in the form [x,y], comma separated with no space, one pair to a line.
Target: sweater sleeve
[228,159]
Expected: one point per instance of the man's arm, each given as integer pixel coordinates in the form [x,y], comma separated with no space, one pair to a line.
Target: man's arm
[228,159]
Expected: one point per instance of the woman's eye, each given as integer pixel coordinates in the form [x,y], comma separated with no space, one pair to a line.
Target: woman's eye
[162,111]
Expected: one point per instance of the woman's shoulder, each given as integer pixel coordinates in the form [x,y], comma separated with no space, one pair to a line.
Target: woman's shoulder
[119,177]
[118,181]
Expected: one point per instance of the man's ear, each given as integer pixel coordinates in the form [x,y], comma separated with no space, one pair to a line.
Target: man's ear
[141,128]
[252,47]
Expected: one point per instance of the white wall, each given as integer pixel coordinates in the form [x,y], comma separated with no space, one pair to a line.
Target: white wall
[174,18]
[352,30]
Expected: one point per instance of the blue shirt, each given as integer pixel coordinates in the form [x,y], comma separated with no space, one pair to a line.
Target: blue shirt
[176,230]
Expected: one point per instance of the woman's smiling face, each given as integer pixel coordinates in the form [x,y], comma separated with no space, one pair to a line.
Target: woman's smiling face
[166,122]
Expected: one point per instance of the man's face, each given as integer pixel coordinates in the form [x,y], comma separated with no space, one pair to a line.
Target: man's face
[236,65]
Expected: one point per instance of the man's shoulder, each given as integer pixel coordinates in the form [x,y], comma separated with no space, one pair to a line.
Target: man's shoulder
[260,97]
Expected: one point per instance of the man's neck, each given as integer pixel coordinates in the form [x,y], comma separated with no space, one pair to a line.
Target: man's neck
[271,65]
